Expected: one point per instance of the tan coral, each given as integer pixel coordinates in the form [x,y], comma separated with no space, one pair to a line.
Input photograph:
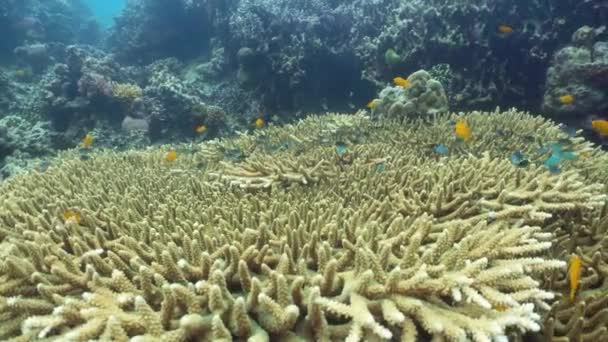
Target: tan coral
[165,251]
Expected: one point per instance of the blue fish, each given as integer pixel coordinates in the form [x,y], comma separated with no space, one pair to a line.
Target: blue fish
[554,169]
[558,150]
[441,149]
[553,161]
[43,166]
[340,148]
[519,159]
[380,167]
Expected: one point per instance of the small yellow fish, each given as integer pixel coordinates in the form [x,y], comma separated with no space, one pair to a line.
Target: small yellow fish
[574,274]
[600,126]
[170,156]
[566,99]
[87,141]
[200,129]
[402,82]
[462,130]
[372,103]
[259,123]
[505,29]
[21,73]
[71,215]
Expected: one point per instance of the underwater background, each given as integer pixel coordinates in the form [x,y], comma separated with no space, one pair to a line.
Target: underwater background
[144,72]
[304,170]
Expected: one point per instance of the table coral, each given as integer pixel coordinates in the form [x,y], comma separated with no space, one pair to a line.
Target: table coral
[456,248]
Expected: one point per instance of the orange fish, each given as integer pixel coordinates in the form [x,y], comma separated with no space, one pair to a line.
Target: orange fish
[372,103]
[200,129]
[170,156]
[574,274]
[259,123]
[505,29]
[402,82]
[600,126]
[87,141]
[462,130]
[71,215]
[566,99]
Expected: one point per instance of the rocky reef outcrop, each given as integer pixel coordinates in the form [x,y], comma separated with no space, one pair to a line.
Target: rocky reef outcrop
[424,97]
[24,23]
[579,70]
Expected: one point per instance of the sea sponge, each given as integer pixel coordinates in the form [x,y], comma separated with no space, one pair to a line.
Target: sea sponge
[452,248]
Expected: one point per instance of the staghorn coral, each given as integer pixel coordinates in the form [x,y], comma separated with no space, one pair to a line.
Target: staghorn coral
[585,318]
[165,251]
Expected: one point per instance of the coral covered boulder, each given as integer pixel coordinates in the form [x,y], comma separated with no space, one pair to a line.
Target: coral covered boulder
[424,96]
[579,70]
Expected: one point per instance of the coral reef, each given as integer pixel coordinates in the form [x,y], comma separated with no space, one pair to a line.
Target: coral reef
[148,30]
[423,97]
[27,23]
[294,238]
[580,70]
[20,142]
[299,43]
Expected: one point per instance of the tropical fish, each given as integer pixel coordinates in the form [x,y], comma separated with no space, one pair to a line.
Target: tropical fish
[379,167]
[574,274]
[171,156]
[558,154]
[553,163]
[43,166]
[401,82]
[462,130]
[372,103]
[87,141]
[505,29]
[518,158]
[71,215]
[600,126]
[259,123]
[341,148]
[200,129]
[558,150]
[566,99]
[441,149]
[503,133]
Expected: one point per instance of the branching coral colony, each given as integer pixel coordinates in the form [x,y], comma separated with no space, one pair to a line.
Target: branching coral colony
[453,248]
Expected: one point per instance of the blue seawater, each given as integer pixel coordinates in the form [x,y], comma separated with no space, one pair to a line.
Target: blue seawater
[105,10]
